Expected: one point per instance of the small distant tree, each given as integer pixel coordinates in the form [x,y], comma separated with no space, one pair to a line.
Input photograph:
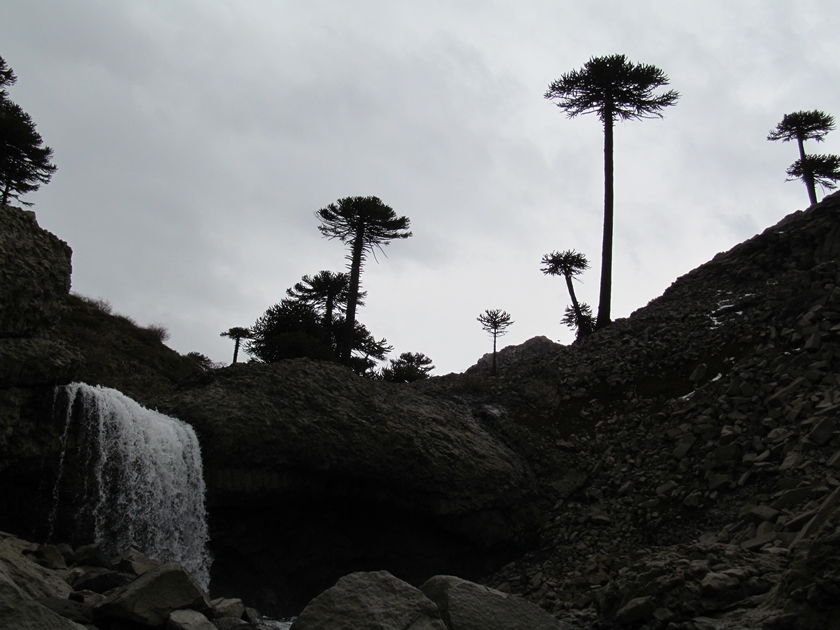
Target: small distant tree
[25,163]
[818,169]
[364,224]
[237,334]
[802,126]
[570,264]
[615,89]
[409,367]
[495,322]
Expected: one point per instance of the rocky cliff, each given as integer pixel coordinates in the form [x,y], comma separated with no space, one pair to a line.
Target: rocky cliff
[34,282]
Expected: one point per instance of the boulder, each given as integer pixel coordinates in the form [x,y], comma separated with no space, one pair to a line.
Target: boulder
[19,611]
[228,607]
[188,620]
[32,579]
[34,274]
[151,598]
[465,605]
[370,601]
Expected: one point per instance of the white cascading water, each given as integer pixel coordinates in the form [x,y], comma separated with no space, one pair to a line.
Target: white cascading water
[135,478]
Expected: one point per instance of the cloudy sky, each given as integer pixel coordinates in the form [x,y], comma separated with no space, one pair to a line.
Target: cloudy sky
[195,139]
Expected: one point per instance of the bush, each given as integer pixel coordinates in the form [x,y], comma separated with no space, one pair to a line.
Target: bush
[100,304]
[160,332]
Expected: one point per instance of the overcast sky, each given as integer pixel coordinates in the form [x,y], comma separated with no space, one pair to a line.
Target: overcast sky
[196,139]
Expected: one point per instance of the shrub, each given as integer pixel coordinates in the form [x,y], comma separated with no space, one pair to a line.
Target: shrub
[159,331]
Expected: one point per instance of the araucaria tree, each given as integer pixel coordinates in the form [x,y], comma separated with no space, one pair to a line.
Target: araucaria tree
[615,89]
[328,292]
[24,161]
[364,224]
[570,264]
[819,168]
[409,367]
[802,126]
[496,322]
[237,334]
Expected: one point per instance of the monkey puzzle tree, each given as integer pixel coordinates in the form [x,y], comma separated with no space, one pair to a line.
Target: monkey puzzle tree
[570,264]
[615,89]
[819,168]
[409,367]
[24,161]
[802,126]
[326,291]
[237,334]
[364,224]
[496,322]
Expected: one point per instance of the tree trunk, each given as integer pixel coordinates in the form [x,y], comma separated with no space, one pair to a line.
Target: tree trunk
[576,306]
[353,296]
[235,348]
[806,172]
[607,246]
[493,369]
[328,320]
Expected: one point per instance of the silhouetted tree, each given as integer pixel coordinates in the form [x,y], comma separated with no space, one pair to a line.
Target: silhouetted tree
[363,223]
[237,334]
[409,367]
[24,161]
[328,292]
[802,126]
[614,88]
[288,330]
[580,321]
[495,322]
[570,264]
[820,168]
[366,349]
[7,78]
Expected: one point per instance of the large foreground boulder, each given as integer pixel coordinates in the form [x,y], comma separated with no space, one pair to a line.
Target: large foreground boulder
[22,583]
[151,598]
[370,601]
[464,605]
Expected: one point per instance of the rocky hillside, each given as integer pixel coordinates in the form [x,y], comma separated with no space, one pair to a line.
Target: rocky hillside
[699,445]
[677,470]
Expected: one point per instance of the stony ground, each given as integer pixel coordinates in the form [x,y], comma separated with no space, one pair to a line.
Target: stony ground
[689,454]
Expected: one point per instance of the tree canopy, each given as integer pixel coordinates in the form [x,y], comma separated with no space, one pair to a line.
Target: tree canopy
[812,170]
[364,224]
[615,89]
[301,325]
[570,264]
[25,163]
[409,367]
[821,168]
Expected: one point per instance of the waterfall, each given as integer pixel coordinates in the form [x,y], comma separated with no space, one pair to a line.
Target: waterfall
[131,477]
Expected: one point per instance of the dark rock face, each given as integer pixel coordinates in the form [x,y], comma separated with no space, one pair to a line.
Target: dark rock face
[34,283]
[313,472]
[34,275]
